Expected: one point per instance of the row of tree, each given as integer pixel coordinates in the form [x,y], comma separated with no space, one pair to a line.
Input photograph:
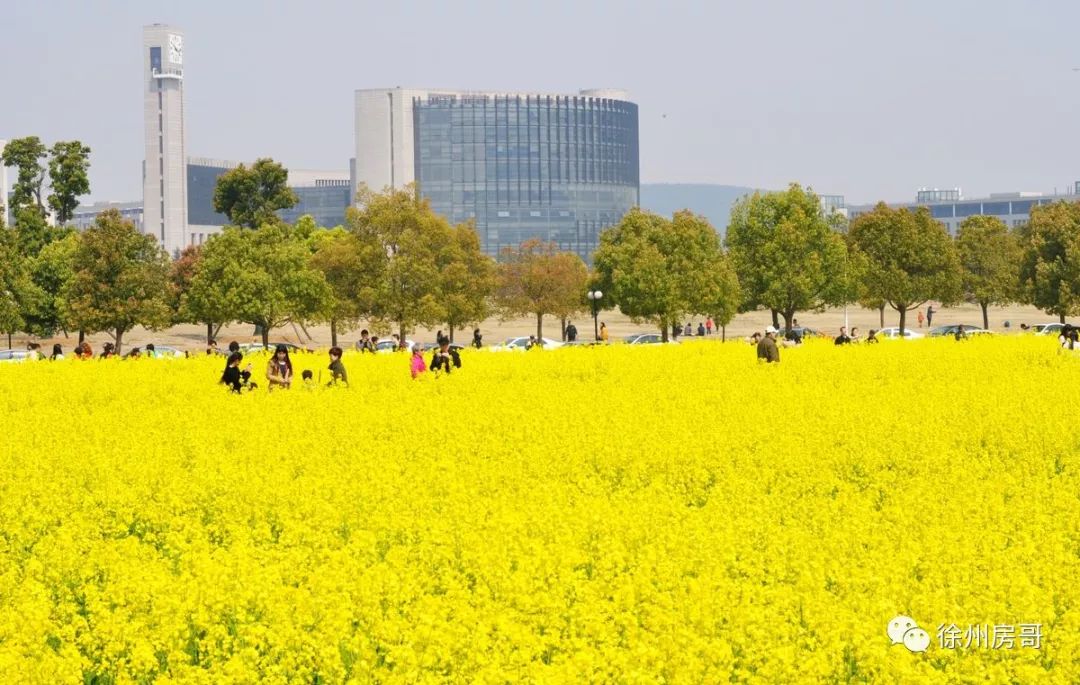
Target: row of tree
[66,162]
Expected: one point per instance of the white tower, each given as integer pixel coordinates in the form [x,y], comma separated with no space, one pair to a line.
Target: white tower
[4,186]
[164,171]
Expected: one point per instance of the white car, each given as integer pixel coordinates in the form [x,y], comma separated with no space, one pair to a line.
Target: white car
[1053,329]
[518,344]
[14,355]
[391,345]
[647,339]
[893,332]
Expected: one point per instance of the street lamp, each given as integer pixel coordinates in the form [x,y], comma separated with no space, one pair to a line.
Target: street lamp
[594,298]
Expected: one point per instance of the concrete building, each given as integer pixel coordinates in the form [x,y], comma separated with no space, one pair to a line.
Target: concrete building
[519,165]
[164,169]
[4,186]
[950,207]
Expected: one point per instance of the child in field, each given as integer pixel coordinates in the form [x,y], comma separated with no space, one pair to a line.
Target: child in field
[233,377]
[416,363]
[279,372]
[337,369]
[308,378]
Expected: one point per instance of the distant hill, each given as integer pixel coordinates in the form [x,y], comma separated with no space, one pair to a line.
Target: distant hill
[711,201]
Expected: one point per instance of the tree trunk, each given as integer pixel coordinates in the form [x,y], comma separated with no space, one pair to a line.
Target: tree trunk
[333,333]
[217,330]
[9,340]
[82,336]
[265,335]
[539,325]
[881,316]
[788,317]
[563,329]
[723,333]
[209,332]
[903,318]
[451,332]
[986,317]
[306,334]
[664,330]
[1062,319]
[775,319]
[119,337]
[401,332]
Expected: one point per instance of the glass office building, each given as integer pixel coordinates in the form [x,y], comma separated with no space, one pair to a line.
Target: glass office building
[560,168]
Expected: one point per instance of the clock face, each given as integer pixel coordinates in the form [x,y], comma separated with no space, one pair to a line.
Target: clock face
[176,49]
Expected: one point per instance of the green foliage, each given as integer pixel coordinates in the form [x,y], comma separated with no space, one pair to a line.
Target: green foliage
[250,197]
[68,165]
[262,277]
[788,255]
[469,279]
[990,256]
[660,270]
[338,256]
[537,279]
[1050,267]
[905,258]
[26,155]
[119,279]
[17,291]
[401,239]
[51,272]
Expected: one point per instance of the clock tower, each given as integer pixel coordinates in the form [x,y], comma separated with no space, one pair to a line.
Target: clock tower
[165,165]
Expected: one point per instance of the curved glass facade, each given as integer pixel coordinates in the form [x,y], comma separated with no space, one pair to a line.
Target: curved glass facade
[558,168]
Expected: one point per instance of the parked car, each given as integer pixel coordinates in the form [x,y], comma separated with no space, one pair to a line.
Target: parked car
[14,355]
[951,329]
[518,344]
[805,332]
[646,339]
[893,332]
[251,348]
[1053,329]
[389,345]
[167,352]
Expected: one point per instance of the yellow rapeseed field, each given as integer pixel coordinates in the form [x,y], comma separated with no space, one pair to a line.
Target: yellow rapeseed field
[667,514]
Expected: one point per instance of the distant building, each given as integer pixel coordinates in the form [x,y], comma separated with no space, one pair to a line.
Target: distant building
[85,215]
[4,201]
[560,168]
[951,208]
[164,175]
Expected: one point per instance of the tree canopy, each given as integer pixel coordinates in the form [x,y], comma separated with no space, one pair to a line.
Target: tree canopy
[250,197]
[26,154]
[536,279]
[68,165]
[1050,267]
[990,256]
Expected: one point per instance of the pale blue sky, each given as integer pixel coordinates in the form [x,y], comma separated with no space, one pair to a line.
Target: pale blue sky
[866,99]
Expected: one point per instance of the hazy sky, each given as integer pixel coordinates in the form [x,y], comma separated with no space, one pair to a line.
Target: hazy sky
[866,99]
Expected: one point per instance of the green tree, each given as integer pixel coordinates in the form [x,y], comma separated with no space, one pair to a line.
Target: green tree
[1050,267]
[469,279]
[250,197]
[723,296]
[51,272]
[338,256]
[18,294]
[262,277]
[182,272]
[119,279]
[990,256]
[68,165]
[402,239]
[907,258]
[659,270]
[26,154]
[536,279]
[787,253]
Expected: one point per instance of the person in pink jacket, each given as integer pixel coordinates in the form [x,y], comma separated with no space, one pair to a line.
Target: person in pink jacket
[417,365]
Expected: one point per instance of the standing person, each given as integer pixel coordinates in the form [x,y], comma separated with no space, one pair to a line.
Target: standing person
[1065,336]
[708,326]
[872,338]
[687,331]
[364,343]
[416,363]
[57,353]
[84,351]
[571,332]
[477,339]
[843,338]
[337,369]
[107,350]
[603,332]
[211,347]
[755,339]
[930,316]
[767,349]
[279,371]
[151,351]
[921,318]
[35,351]
[444,359]
[700,329]
[854,334]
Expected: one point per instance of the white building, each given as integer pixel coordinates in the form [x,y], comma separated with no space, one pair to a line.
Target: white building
[4,185]
[164,168]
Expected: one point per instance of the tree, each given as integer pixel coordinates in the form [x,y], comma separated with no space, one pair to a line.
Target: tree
[990,256]
[17,291]
[262,277]
[787,253]
[251,197]
[722,299]
[659,270]
[26,155]
[536,279]
[469,279]
[906,258]
[68,165]
[402,238]
[182,272]
[51,272]
[119,279]
[338,257]
[1050,267]
[32,231]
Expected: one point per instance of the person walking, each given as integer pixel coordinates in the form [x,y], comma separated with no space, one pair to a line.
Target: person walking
[766,347]
[921,318]
[603,332]
[708,326]
[279,371]
[337,369]
[477,339]
[930,316]
[571,332]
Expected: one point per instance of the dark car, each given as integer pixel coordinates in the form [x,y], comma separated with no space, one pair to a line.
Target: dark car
[951,329]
